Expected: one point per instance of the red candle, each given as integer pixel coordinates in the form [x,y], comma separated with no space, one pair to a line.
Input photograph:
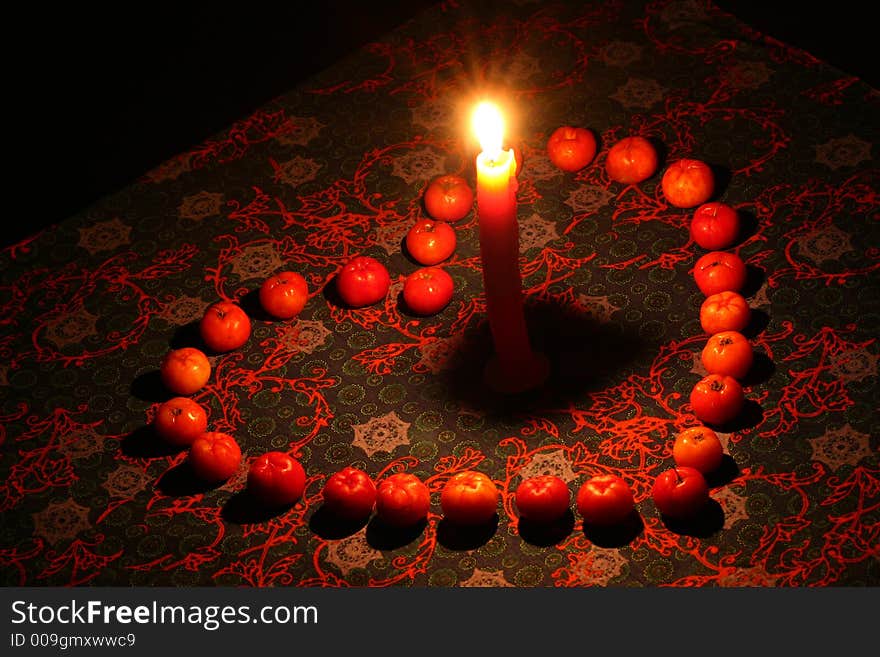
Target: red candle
[514,367]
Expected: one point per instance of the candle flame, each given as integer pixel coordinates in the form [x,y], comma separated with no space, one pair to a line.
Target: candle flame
[489,127]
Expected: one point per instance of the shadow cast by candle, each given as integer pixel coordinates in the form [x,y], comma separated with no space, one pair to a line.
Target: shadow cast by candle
[149,387]
[181,481]
[584,355]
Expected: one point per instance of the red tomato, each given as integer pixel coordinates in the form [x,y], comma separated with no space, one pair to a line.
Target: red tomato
[349,493]
[720,271]
[363,281]
[605,500]
[728,352]
[430,242]
[225,326]
[428,290]
[284,295]
[469,498]
[715,226]
[185,371]
[214,456]
[631,160]
[448,198]
[571,148]
[180,420]
[724,311]
[717,398]
[698,448]
[543,498]
[402,499]
[687,183]
[276,479]
[680,492]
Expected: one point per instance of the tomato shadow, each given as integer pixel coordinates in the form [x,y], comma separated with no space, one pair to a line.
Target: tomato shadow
[250,303]
[758,322]
[329,526]
[584,355]
[181,481]
[188,335]
[461,538]
[242,508]
[748,225]
[761,371]
[709,521]
[755,277]
[662,155]
[616,535]
[723,175]
[382,536]
[331,294]
[144,443]
[149,387]
[749,417]
[724,473]
[546,534]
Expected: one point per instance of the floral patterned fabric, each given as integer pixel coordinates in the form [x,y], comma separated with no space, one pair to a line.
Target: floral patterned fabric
[337,167]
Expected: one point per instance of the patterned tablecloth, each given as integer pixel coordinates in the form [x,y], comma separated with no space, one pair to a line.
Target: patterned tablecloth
[337,167]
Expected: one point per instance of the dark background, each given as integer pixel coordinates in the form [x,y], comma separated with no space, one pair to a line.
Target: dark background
[111,93]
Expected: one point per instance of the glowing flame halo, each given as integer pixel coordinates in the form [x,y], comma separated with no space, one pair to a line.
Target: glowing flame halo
[488,125]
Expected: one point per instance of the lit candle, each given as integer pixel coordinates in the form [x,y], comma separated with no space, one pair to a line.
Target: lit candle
[514,367]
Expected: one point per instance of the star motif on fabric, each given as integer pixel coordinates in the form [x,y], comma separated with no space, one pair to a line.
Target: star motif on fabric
[61,520]
[697,366]
[258,261]
[305,336]
[842,446]
[390,236]
[682,13]
[351,552]
[753,576]
[734,506]
[849,151]
[200,206]
[81,444]
[540,167]
[297,171]
[827,244]
[439,354]
[553,462]
[536,233]
[418,165]
[432,114]
[183,310]
[486,578]
[598,307]
[238,481]
[381,434]
[104,236]
[639,93]
[748,75]
[126,481]
[71,328]
[597,567]
[621,53]
[761,300]
[588,198]
[299,131]
[854,365]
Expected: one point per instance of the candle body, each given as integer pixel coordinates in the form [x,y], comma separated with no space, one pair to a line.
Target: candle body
[514,367]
